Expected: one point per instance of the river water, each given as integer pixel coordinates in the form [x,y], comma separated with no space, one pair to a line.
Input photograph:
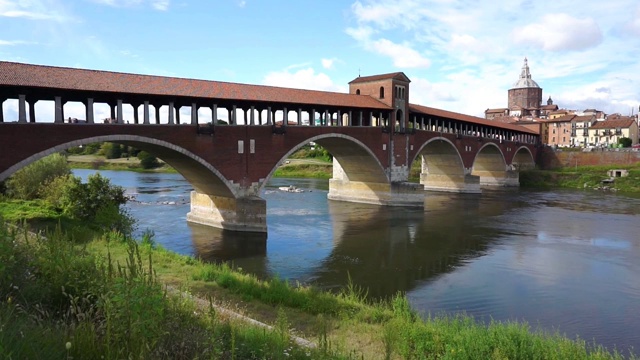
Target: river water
[566,261]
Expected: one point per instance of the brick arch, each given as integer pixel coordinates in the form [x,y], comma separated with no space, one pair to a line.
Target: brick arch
[489,158]
[202,175]
[523,158]
[356,159]
[440,156]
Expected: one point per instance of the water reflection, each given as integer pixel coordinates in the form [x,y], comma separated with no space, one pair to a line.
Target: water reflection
[216,245]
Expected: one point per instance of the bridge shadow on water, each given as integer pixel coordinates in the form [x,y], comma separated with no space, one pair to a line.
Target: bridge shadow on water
[385,250]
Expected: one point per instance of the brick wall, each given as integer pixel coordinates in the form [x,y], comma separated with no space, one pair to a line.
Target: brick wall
[549,159]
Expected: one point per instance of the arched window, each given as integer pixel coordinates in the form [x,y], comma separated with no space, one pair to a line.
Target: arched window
[358,92]
[381,92]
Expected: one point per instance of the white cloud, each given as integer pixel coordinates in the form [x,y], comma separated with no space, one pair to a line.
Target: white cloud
[13,42]
[330,63]
[242,3]
[403,55]
[32,10]
[560,32]
[305,78]
[161,5]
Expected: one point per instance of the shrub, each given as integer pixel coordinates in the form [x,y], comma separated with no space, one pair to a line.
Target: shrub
[148,161]
[26,183]
[625,142]
[97,201]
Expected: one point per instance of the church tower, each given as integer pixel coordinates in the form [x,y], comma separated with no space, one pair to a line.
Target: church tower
[525,97]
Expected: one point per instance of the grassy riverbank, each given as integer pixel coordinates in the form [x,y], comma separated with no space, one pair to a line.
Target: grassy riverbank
[107,297]
[582,177]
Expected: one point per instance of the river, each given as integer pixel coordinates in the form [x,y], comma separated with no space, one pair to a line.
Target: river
[566,261]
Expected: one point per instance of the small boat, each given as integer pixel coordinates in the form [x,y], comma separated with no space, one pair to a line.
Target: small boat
[291,188]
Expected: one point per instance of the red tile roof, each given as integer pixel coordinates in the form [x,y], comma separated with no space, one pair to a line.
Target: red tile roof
[396,75]
[472,119]
[612,124]
[50,77]
[564,118]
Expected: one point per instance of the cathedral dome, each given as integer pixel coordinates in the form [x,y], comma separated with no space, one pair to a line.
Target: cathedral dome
[525,80]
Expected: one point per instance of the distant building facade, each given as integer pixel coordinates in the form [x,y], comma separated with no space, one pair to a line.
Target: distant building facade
[608,132]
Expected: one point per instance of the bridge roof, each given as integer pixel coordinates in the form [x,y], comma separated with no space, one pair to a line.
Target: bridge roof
[467,118]
[72,79]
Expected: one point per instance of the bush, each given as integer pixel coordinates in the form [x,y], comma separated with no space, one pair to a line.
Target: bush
[26,183]
[111,150]
[148,161]
[625,142]
[98,202]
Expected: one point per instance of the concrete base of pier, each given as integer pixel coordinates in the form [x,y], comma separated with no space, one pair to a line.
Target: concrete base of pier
[241,214]
[394,194]
[498,178]
[469,184]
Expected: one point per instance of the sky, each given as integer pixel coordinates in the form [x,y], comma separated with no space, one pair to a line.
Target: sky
[460,55]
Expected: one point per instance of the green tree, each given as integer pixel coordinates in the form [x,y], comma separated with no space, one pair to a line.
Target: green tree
[111,150]
[625,142]
[97,202]
[148,161]
[27,182]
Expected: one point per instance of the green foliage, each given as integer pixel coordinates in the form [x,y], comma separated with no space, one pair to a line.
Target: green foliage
[97,201]
[305,171]
[315,152]
[26,182]
[147,160]
[625,142]
[111,150]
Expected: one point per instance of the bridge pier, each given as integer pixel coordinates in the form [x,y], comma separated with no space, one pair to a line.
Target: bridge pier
[235,214]
[458,183]
[399,193]
[507,178]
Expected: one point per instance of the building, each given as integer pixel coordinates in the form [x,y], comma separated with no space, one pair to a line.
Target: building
[607,133]
[580,129]
[524,100]
[556,132]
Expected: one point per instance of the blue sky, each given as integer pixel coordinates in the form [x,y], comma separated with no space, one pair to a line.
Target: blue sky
[461,55]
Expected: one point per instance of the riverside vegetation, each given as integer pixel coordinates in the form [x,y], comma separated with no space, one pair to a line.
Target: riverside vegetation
[582,177]
[88,290]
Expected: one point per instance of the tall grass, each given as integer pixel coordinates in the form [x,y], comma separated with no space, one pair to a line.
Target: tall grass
[59,301]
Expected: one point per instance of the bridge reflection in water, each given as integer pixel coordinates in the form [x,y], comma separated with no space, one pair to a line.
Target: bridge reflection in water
[383,250]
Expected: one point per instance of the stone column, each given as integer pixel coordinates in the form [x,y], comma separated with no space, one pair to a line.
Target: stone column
[89,111]
[145,113]
[312,117]
[119,119]
[157,113]
[299,116]
[58,110]
[22,108]
[178,114]
[194,114]
[233,119]
[32,111]
[253,115]
[269,115]
[285,117]
[112,107]
[214,114]
[171,112]
[135,112]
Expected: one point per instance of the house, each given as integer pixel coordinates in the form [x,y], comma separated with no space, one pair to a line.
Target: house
[557,131]
[607,133]
[580,129]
